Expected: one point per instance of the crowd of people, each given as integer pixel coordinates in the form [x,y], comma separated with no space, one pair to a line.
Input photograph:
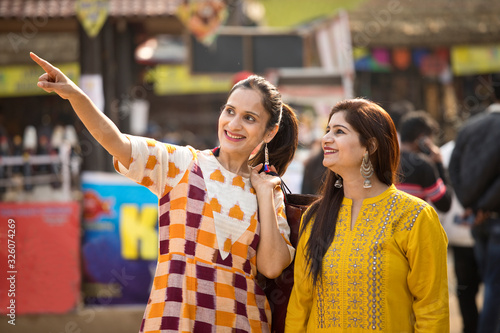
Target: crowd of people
[372,252]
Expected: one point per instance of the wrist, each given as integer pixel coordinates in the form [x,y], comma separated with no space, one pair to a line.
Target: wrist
[77,96]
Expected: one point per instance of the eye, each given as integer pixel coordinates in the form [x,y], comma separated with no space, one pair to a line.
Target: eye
[250,118]
[228,110]
[339,131]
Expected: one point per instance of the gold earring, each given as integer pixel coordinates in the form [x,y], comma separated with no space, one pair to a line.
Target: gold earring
[366,170]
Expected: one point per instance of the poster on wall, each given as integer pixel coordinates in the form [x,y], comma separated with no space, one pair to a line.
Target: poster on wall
[120,239]
[40,256]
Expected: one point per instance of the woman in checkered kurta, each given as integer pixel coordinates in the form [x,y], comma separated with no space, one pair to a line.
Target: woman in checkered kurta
[220,219]
[209,231]
[211,221]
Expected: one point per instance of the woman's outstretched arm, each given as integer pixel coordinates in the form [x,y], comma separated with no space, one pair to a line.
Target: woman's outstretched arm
[100,126]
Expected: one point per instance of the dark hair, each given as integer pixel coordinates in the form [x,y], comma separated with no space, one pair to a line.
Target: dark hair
[376,132]
[398,109]
[415,124]
[282,147]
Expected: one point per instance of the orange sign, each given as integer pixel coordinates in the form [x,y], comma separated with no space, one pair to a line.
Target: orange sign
[203,18]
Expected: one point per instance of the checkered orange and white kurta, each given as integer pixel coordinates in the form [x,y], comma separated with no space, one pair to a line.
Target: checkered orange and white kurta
[208,237]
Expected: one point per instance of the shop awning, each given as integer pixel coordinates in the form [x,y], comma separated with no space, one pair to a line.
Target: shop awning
[67,8]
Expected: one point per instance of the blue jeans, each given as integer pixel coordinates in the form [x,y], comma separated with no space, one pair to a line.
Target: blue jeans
[487,251]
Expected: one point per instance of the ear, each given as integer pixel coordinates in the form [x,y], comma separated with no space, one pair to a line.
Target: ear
[372,145]
[271,133]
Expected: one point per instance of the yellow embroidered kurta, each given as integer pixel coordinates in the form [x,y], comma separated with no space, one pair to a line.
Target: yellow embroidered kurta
[387,274]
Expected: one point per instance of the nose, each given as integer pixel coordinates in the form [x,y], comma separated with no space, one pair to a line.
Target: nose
[235,123]
[327,138]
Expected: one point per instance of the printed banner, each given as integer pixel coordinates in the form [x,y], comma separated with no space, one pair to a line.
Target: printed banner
[177,80]
[39,257]
[120,239]
[21,80]
[475,60]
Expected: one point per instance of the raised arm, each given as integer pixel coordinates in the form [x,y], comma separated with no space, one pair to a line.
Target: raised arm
[100,126]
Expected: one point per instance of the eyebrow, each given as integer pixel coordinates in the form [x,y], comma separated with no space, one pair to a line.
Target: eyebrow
[338,125]
[247,111]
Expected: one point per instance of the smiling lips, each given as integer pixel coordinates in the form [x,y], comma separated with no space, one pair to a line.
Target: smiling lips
[328,151]
[234,137]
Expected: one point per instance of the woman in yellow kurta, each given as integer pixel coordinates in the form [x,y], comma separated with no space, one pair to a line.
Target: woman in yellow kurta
[370,257]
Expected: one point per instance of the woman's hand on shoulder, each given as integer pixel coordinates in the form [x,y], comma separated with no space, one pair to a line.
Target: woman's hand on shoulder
[262,181]
[54,80]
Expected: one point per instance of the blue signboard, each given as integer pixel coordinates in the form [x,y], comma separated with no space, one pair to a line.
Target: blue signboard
[120,239]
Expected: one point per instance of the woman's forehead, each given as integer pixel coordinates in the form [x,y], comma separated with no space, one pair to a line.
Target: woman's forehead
[247,100]
[338,118]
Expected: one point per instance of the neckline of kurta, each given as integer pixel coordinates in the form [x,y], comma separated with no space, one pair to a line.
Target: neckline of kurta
[390,190]
[226,170]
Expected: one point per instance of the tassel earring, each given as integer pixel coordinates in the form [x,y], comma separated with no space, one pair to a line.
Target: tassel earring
[266,160]
[366,170]
[338,182]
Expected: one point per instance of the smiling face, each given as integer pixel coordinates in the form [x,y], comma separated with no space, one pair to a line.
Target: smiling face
[342,149]
[242,123]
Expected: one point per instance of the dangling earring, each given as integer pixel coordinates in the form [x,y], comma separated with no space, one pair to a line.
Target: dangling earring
[266,160]
[366,170]
[338,182]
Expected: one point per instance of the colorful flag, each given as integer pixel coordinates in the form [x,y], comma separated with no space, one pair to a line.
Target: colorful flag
[203,18]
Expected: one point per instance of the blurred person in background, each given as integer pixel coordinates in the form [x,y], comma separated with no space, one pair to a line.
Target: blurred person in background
[422,172]
[220,219]
[369,257]
[398,109]
[475,174]
[457,223]
[314,171]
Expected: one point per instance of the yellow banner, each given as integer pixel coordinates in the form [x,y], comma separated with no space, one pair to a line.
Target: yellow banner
[177,80]
[472,60]
[21,80]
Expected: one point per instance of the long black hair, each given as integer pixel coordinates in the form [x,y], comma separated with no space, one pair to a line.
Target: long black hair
[372,123]
[282,147]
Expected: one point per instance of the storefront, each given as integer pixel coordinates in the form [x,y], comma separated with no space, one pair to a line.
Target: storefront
[434,54]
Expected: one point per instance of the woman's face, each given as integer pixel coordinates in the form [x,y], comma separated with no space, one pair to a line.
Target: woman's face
[242,122]
[341,146]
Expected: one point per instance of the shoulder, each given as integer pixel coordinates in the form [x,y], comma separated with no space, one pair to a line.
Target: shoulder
[477,122]
[419,158]
[150,143]
[408,199]
[415,213]
[408,205]
[417,164]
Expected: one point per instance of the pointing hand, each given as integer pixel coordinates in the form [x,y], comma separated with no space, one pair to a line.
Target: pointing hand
[54,80]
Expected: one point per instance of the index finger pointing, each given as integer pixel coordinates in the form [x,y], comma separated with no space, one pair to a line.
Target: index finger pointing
[43,63]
